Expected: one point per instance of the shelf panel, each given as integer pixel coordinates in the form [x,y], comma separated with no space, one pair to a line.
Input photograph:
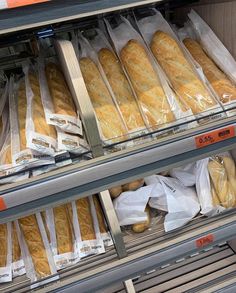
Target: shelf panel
[98,174]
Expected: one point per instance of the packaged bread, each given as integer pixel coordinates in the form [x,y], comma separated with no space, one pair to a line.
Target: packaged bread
[59,106]
[18,266]
[5,253]
[35,248]
[62,238]
[223,86]
[141,227]
[4,115]
[108,117]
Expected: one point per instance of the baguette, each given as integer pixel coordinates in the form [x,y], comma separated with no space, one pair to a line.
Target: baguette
[141,227]
[146,84]
[215,198]
[30,230]
[21,111]
[16,251]
[108,116]
[85,219]
[60,94]
[224,88]
[4,247]
[63,230]
[230,171]
[121,89]
[180,73]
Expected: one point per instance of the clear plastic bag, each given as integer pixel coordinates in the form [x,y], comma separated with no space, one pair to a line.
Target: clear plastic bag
[18,266]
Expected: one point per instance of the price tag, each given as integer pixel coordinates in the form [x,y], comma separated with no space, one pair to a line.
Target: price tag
[214,136]
[18,3]
[204,241]
[2,204]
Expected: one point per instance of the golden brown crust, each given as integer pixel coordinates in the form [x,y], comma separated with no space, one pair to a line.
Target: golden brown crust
[115,191]
[30,230]
[180,73]
[224,88]
[63,230]
[134,185]
[106,112]
[121,89]
[16,252]
[146,84]
[60,94]
[3,242]
[85,219]
[100,216]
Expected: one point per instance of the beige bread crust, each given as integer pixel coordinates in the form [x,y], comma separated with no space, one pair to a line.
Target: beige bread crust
[224,88]
[108,116]
[85,219]
[231,172]
[63,230]
[30,230]
[115,191]
[180,73]
[40,124]
[134,185]
[100,216]
[4,248]
[16,252]
[121,89]
[146,84]
[7,154]
[141,227]
[21,111]
[215,197]
[60,94]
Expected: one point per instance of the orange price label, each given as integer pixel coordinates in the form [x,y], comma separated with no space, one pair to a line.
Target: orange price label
[18,3]
[214,136]
[204,241]
[2,204]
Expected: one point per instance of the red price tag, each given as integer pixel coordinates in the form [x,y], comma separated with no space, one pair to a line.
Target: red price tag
[2,204]
[18,3]
[204,241]
[214,136]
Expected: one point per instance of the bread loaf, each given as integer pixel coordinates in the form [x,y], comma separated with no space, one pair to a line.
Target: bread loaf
[63,230]
[40,123]
[141,227]
[100,216]
[180,73]
[16,252]
[132,186]
[221,184]
[115,191]
[121,89]
[21,111]
[146,84]
[215,198]
[4,248]
[107,115]
[231,172]
[85,219]
[224,88]
[60,94]
[35,244]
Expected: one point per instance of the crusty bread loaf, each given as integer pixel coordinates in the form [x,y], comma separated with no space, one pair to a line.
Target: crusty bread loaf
[21,112]
[60,94]
[35,244]
[85,219]
[40,123]
[4,248]
[180,73]
[146,84]
[224,88]
[115,191]
[16,251]
[121,89]
[221,184]
[100,216]
[63,230]
[106,112]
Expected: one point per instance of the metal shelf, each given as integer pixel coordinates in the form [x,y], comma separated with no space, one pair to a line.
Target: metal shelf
[152,252]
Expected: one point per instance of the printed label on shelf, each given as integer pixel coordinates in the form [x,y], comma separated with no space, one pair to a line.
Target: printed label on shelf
[2,204]
[18,3]
[204,241]
[214,136]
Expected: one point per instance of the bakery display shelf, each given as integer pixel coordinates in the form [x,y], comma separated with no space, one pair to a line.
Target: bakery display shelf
[154,252]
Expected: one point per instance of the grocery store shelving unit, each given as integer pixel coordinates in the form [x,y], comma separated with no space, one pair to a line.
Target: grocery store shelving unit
[155,252]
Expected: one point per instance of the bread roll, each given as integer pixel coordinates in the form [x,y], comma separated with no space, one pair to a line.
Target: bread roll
[221,184]
[100,216]
[85,219]
[224,88]
[40,123]
[115,191]
[180,73]
[21,111]
[121,89]
[141,227]
[146,84]
[109,119]
[60,94]
[132,186]
[16,252]
[30,230]
[63,230]
[4,248]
